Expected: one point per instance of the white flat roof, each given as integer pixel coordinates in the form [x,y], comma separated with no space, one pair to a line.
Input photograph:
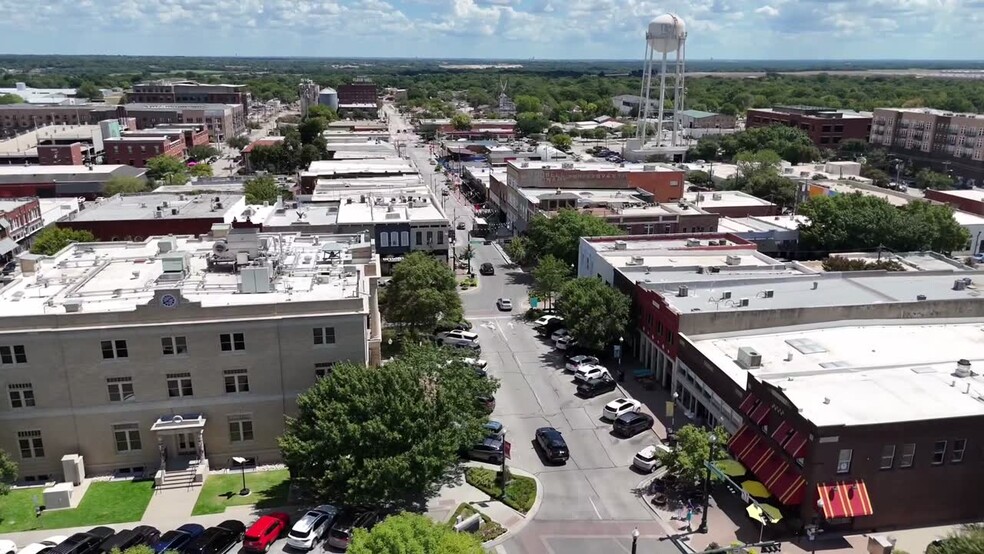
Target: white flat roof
[724,199]
[590,166]
[143,206]
[640,245]
[59,169]
[969,194]
[55,209]
[10,204]
[863,375]
[336,167]
[586,196]
[761,224]
[966,218]
[119,276]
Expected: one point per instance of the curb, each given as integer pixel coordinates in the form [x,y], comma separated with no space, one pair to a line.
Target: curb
[502,253]
[527,517]
[662,522]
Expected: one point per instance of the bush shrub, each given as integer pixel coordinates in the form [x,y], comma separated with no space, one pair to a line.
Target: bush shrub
[520,492]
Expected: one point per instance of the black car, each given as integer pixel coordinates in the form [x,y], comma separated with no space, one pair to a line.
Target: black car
[551,326]
[140,535]
[83,543]
[553,444]
[486,269]
[341,530]
[176,539]
[594,387]
[632,423]
[489,450]
[218,539]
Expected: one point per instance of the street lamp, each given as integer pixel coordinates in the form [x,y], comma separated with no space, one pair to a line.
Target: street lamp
[635,539]
[673,414]
[618,357]
[707,484]
[242,466]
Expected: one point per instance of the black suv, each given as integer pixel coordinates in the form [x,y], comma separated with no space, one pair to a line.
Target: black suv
[553,444]
[594,387]
[632,423]
[83,543]
[486,269]
[218,539]
[140,535]
[341,531]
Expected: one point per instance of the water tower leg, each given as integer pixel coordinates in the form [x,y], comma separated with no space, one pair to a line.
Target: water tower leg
[644,113]
[662,98]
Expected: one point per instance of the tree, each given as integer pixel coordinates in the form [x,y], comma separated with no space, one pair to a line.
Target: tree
[851,149]
[549,277]
[531,123]
[201,170]
[408,533]
[386,436]
[968,540]
[238,143]
[52,239]
[88,90]
[124,184]
[422,293]
[263,189]
[518,250]
[562,142]
[10,99]
[763,163]
[560,235]
[928,179]
[139,549]
[693,448]
[311,128]
[700,178]
[528,104]
[600,133]
[840,263]
[322,112]
[461,122]
[168,169]
[8,472]
[878,177]
[202,152]
[595,313]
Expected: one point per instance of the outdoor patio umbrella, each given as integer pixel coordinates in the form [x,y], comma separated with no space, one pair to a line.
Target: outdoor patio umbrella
[754,512]
[731,468]
[756,489]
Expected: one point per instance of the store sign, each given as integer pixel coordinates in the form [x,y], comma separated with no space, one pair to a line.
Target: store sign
[564,175]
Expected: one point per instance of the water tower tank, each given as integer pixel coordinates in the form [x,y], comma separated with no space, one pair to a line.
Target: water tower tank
[665,32]
[328,97]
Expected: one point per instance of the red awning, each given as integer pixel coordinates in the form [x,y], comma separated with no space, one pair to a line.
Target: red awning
[793,444]
[771,469]
[756,455]
[747,404]
[797,445]
[758,416]
[789,487]
[740,441]
[844,499]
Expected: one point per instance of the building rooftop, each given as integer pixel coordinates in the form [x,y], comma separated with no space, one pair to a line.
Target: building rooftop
[817,111]
[57,209]
[697,114]
[934,111]
[969,194]
[589,166]
[168,106]
[863,375]
[229,186]
[28,142]
[761,224]
[164,206]
[67,172]
[587,197]
[724,199]
[393,166]
[122,276]
[912,261]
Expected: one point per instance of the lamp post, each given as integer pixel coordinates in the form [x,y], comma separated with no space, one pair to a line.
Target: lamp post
[242,466]
[673,415]
[618,357]
[635,539]
[707,485]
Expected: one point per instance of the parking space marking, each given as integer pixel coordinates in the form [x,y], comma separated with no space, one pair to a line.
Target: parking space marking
[597,513]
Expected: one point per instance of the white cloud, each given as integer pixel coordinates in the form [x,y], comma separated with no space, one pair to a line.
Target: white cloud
[767,10]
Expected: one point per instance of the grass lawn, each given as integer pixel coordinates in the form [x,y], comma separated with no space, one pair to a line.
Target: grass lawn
[268,490]
[520,492]
[490,529]
[104,502]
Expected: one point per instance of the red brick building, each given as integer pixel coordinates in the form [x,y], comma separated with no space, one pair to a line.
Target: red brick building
[826,127]
[135,150]
[971,201]
[61,154]
[18,219]
[357,93]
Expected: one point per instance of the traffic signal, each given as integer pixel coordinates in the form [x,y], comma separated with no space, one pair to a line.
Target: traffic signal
[773,546]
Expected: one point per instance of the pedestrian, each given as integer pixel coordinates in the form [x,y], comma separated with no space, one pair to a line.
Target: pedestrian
[690,517]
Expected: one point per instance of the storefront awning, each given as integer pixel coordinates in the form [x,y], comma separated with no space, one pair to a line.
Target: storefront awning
[789,486]
[747,405]
[844,499]
[760,413]
[792,441]
[741,441]
[7,245]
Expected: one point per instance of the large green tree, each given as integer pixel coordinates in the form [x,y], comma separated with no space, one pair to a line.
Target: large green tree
[311,128]
[560,235]
[595,313]
[461,122]
[201,170]
[549,277]
[929,179]
[322,112]
[531,123]
[967,540]
[408,533]
[10,99]
[692,449]
[422,293]
[168,169]
[238,143]
[263,189]
[52,239]
[385,436]
[124,184]
[561,141]
[202,152]
[8,472]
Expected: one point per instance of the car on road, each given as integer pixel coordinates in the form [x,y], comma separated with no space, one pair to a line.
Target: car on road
[218,539]
[341,532]
[620,406]
[596,386]
[460,226]
[458,339]
[486,269]
[632,423]
[176,539]
[138,536]
[265,531]
[559,334]
[494,428]
[504,304]
[83,543]
[8,547]
[575,362]
[647,459]
[588,372]
[489,450]
[565,343]
[553,445]
[312,527]
[40,547]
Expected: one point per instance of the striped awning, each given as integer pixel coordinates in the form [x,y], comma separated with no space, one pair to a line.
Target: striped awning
[844,499]
[792,441]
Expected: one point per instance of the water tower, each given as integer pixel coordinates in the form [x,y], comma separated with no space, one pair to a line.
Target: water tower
[667,37]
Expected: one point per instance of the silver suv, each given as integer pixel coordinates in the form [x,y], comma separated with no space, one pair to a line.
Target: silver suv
[458,339]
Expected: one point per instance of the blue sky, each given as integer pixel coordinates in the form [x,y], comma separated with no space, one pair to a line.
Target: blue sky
[612,29]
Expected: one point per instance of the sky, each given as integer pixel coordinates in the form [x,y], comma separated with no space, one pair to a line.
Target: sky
[500,29]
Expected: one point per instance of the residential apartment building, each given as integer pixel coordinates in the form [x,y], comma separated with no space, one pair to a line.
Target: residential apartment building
[358,95]
[971,201]
[188,92]
[176,352]
[826,127]
[16,118]
[221,120]
[948,142]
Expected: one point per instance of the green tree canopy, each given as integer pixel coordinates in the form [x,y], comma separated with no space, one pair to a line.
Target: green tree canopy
[700,178]
[8,472]
[791,144]
[385,436]
[322,112]
[408,533]
[240,142]
[311,128]
[264,189]
[52,239]
[461,121]
[528,104]
[88,90]
[201,170]
[202,152]
[10,99]
[929,179]
[125,184]
[562,141]
[168,169]
[422,293]
[560,235]
[968,540]
[595,313]
[531,123]
[693,447]
[549,277]
[758,175]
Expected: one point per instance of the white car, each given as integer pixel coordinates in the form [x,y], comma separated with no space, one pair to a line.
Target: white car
[459,339]
[504,304]
[647,459]
[577,361]
[477,363]
[312,527]
[563,342]
[588,372]
[621,406]
[8,547]
[37,547]
[543,320]
[559,334]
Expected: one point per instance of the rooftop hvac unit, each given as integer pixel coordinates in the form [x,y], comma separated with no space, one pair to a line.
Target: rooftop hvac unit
[726,295]
[716,196]
[743,303]
[166,245]
[72,307]
[768,293]
[959,284]
[693,242]
[164,204]
[621,245]
[524,164]
[649,167]
[683,291]
[749,358]
[174,211]
[255,279]
[963,368]
[636,260]
[158,214]
[567,165]
[733,260]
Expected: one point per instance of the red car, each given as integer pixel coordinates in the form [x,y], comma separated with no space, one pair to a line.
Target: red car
[267,529]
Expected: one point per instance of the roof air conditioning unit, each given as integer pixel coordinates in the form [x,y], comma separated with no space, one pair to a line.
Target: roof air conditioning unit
[158,214]
[164,204]
[567,165]
[621,245]
[649,167]
[683,291]
[726,295]
[963,368]
[693,242]
[733,260]
[749,358]
[716,196]
[743,303]
[769,293]
[636,260]
[174,211]
[959,284]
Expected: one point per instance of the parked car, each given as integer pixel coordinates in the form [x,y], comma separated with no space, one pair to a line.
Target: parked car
[504,304]
[139,535]
[494,428]
[40,547]
[487,402]
[83,543]
[564,343]
[312,527]
[576,362]
[552,325]
[489,450]
[458,339]
[621,406]
[486,269]
[460,226]
[596,386]
[632,423]
[553,445]
[7,547]
[218,539]
[546,319]
[647,459]
[265,531]
[178,538]
[588,372]
[559,334]
[341,531]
